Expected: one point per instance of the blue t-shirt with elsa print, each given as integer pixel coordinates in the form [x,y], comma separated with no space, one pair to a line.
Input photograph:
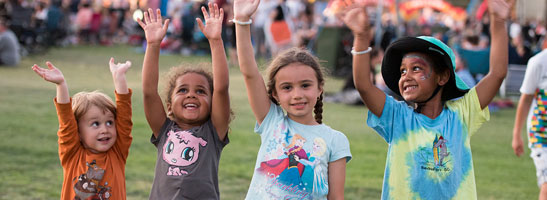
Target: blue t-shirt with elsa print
[292,162]
[429,158]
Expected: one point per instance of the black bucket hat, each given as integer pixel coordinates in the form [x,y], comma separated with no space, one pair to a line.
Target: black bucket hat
[441,55]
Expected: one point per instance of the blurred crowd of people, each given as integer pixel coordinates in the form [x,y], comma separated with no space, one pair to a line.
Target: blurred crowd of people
[277,25]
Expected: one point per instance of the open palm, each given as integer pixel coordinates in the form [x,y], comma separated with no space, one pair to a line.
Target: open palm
[118,68]
[52,74]
[243,9]
[154,29]
[500,8]
[213,22]
[357,20]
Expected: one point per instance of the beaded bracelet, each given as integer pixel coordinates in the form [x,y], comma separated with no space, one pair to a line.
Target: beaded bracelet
[240,22]
[360,52]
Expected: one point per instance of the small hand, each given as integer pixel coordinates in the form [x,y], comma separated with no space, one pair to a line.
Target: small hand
[500,8]
[244,9]
[118,68]
[52,74]
[296,158]
[154,30]
[357,21]
[518,146]
[213,22]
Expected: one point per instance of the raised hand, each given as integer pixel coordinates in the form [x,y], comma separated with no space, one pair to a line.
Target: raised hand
[500,8]
[153,28]
[244,9]
[52,74]
[118,69]
[357,21]
[213,22]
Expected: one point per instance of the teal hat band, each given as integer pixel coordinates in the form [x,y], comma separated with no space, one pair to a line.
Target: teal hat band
[447,50]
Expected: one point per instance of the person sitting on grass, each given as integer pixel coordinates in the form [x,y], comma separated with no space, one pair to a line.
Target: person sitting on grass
[429,152]
[94,136]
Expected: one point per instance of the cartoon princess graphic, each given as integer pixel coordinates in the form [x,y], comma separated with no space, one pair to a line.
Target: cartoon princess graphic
[181,149]
[288,170]
[314,171]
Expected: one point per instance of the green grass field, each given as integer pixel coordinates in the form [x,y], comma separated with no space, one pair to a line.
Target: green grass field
[30,168]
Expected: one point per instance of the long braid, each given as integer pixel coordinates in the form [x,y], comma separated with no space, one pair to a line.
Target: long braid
[318,109]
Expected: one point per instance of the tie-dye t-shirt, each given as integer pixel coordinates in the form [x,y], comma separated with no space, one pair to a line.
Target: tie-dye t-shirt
[293,158]
[429,158]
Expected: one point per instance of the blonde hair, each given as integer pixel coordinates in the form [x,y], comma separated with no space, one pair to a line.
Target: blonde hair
[320,142]
[297,55]
[82,102]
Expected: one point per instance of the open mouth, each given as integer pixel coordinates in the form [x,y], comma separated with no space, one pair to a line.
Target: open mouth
[104,140]
[409,88]
[190,106]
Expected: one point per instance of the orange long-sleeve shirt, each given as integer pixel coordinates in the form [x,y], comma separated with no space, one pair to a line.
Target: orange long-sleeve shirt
[74,156]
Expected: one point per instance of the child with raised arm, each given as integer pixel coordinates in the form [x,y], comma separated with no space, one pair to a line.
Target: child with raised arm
[94,136]
[429,153]
[532,108]
[193,132]
[300,157]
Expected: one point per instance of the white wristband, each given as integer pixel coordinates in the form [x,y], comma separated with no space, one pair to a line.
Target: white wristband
[234,20]
[360,52]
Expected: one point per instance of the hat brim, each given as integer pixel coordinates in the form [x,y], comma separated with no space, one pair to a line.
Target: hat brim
[393,57]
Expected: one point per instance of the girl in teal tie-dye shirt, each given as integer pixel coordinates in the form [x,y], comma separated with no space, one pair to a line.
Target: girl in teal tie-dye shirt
[429,154]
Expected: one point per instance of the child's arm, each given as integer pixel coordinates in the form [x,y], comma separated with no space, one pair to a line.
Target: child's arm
[154,31]
[118,74]
[256,89]
[220,112]
[488,87]
[357,20]
[54,75]
[522,110]
[337,177]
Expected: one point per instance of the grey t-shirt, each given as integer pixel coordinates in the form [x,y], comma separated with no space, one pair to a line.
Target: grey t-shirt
[187,162]
[9,49]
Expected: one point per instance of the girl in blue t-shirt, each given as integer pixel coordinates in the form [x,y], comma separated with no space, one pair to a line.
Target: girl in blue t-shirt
[300,157]
[429,154]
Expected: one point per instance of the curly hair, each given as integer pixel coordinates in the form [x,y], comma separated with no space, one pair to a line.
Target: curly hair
[176,72]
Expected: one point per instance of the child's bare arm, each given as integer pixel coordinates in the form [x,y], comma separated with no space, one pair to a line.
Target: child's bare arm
[118,71]
[488,87]
[154,31]
[256,89]
[356,19]
[54,75]
[220,113]
[522,111]
[337,178]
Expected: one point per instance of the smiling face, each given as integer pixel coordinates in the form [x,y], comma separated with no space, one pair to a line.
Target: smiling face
[97,129]
[418,79]
[190,100]
[297,90]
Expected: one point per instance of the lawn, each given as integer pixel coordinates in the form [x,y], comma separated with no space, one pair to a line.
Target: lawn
[30,168]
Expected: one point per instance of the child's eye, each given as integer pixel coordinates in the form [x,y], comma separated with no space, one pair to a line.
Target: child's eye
[306,85]
[109,123]
[286,87]
[183,90]
[416,68]
[403,71]
[95,124]
[200,91]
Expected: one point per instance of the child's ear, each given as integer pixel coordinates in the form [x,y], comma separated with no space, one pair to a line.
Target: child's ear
[169,112]
[444,77]
[274,95]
